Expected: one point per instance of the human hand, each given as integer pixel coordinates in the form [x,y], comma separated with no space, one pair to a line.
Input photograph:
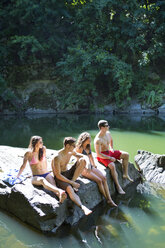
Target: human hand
[75,185]
[112,159]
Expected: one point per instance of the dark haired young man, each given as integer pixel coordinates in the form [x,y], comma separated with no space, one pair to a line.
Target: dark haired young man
[107,156]
[64,178]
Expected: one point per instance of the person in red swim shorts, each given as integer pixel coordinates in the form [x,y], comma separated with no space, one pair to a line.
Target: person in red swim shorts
[107,156]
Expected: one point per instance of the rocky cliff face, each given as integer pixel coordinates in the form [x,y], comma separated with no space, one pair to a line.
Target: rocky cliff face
[42,96]
[40,208]
[152,166]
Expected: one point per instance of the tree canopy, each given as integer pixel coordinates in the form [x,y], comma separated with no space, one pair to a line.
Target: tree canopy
[102,50]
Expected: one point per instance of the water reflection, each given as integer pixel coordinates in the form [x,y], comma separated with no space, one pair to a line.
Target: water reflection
[16,131]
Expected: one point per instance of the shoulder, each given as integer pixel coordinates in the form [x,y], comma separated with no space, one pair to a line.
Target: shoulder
[96,138]
[44,148]
[79,150]
[27,154]
[56,157]
[98,141]
[108,133]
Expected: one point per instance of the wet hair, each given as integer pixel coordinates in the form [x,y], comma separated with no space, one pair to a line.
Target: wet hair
[69,141]
[102,123]
[33,141]
[82,138]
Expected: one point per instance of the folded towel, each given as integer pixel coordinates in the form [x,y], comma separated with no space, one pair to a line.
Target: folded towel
[11,178]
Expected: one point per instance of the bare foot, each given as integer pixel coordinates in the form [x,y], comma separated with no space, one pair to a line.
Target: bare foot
[127,177]
[111,203]
[86,210]
[62,197]
[120,191]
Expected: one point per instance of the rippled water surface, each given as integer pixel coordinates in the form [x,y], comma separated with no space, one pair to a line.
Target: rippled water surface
[139,221]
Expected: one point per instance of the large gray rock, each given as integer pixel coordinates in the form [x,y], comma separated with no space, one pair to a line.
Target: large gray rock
[40,208]
[161,109]
[152,166]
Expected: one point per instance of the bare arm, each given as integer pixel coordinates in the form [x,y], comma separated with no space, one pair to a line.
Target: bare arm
[92,160]
[57,171]
[24,164]
[86,157]
[77,154]
[101,155]
[44,151]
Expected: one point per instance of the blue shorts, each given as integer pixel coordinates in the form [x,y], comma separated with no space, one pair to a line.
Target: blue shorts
[42,175]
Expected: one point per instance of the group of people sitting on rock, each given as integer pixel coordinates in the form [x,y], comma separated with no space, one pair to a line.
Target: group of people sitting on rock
[62,180]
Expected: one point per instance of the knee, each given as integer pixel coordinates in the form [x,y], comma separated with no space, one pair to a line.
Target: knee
[43,181]
[99,181]
[104,179]
[112,166]
[82,163]
[126,155]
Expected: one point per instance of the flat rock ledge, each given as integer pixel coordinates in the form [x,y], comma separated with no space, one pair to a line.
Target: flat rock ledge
[152,166]
[40,208]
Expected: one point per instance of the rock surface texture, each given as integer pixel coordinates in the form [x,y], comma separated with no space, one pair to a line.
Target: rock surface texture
[152,166]
[40,208]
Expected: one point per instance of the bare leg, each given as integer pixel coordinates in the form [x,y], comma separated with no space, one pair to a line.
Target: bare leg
[105,185]
[75,198]
[92,176]
[96,176]
[80,167]
[125,158]
[115,178]
[49,184]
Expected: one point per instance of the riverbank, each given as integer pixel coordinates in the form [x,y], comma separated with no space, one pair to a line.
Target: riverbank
[133,109]
[44,96]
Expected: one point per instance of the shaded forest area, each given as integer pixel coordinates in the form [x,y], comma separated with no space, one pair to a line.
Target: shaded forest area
[96,51]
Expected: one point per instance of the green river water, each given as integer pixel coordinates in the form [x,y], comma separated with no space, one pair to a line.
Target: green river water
[139,220]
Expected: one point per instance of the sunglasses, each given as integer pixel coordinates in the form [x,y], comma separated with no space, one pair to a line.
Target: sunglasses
[106,125]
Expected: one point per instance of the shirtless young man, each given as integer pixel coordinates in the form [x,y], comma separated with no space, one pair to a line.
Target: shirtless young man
[106,155]
[91,172]
[36,156]
[65,179]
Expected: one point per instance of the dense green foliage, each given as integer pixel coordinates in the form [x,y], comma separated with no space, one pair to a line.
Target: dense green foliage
[103,51]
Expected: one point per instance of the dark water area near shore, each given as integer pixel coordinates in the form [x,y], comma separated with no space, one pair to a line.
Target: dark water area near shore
[139,220]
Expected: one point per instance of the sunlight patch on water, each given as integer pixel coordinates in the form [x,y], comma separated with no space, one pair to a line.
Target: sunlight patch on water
[112,230]
[134,141]
[137,226]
